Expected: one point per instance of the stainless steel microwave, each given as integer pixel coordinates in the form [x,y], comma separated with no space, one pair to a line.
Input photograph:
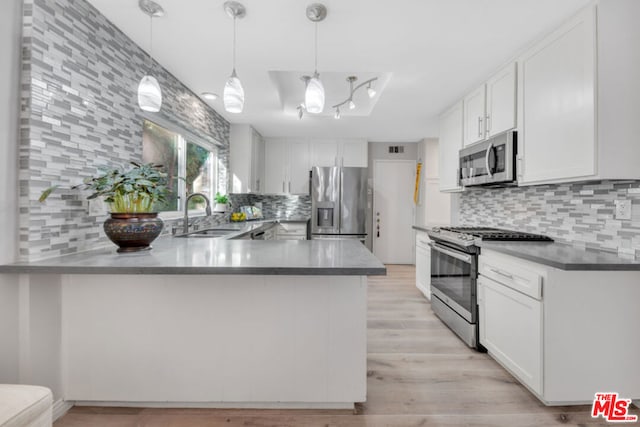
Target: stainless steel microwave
[489,162]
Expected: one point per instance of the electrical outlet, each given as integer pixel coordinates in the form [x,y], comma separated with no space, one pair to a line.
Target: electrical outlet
[623,209]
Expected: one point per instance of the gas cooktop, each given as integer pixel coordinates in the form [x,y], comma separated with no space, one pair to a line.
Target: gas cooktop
[466,236]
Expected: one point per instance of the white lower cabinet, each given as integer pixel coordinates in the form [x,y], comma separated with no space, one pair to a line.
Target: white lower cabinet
[511,330]
[423,264]
[292,231]
[564,334]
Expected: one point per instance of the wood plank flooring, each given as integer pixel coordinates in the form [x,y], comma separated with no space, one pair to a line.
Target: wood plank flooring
[419,374]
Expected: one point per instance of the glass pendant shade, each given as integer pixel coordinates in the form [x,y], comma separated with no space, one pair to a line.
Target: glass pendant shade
[371,91]
[314,95]
[233,94]
[149,94]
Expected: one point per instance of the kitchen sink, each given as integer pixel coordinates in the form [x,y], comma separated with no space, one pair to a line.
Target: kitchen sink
[210,232]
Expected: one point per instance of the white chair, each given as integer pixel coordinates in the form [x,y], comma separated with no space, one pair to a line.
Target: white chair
[25,406]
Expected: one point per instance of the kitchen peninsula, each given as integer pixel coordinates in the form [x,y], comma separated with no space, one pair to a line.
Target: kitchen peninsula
[201,322]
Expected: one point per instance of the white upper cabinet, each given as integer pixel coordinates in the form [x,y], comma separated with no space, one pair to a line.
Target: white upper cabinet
[324,152]
[246,159]
[449,146]
[355,153]
[287,166]
[491,109]
[501,101]
[257,163]
[299,167]
[474,106]
[339,152]
[578,101]
[558,104]
[276,160]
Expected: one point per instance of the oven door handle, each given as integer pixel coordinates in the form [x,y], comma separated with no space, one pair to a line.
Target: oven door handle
[462,257]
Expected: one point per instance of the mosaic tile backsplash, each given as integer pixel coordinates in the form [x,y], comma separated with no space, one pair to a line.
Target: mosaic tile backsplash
[276,206]
[79,110]
[581,214]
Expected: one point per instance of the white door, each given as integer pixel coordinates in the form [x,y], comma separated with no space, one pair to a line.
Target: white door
[393,210]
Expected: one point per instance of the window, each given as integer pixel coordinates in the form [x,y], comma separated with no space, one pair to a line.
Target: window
[190,164]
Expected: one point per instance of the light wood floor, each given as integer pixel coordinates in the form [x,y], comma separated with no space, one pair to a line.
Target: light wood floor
[419,374]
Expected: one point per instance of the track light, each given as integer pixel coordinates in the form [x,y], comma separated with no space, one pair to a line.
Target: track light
[349,101]
[371,91]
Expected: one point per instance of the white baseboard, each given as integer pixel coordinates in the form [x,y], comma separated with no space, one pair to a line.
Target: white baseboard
[220,405]
[60,407]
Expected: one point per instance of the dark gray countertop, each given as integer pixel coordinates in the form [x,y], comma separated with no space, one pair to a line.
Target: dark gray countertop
[563,256]
[175,255]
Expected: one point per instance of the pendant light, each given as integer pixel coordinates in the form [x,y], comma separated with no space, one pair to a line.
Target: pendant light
[314,93]
[149,92]
[233,92]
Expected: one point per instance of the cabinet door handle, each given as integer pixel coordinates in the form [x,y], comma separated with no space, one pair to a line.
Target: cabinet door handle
[487,123]
[283,186]
[289,186]
[519,167]
[479,127]
[500,273]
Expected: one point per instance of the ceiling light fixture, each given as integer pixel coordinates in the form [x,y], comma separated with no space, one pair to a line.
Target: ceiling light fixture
[209,96]
[314,92]
[349,101]
[233,91]
[371,91]
[149,92]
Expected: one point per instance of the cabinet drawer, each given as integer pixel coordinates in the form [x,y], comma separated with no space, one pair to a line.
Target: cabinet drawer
[293,229]
[512,273]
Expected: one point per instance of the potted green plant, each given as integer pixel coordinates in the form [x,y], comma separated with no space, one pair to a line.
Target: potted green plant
[131,195]
[222,202]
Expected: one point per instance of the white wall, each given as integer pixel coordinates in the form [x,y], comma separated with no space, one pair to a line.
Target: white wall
[434,207]
[380,150]
[10,33]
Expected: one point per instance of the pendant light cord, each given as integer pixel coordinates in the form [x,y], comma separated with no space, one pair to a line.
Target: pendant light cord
[316,49]
[150,43]
[234,45]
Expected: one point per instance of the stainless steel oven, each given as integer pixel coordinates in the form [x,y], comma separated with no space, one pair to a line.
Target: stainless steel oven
[454,273]
[489,162]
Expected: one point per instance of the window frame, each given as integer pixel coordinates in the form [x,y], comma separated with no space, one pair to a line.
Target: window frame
[184,137]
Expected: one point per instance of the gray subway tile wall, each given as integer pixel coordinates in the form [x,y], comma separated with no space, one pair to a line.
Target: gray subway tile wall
[79,111]
[275,205]
[581,214]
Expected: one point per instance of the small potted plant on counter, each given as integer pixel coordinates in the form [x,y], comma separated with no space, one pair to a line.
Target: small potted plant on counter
[131,195]
[222,203]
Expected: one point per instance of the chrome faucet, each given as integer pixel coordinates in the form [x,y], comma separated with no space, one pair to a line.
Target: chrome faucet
[186,209]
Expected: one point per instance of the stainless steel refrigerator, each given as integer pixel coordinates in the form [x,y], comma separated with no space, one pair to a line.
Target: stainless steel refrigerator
[338,203]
